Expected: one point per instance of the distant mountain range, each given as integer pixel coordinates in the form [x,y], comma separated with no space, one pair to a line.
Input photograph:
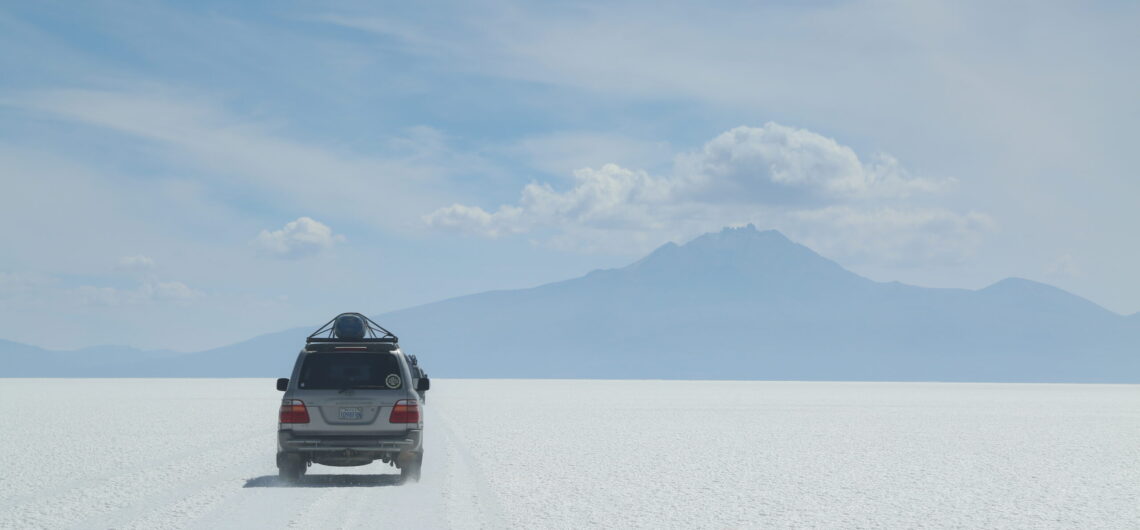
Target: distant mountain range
[738,304]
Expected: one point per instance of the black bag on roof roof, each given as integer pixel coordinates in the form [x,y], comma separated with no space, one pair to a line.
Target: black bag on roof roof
[349,327]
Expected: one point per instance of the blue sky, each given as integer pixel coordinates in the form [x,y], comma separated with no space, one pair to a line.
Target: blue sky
[186,175]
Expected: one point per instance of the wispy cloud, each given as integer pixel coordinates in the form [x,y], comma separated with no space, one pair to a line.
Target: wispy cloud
[257,157]
[14,284]
[1064,266]
[926,73]
[136,263]
[149,292]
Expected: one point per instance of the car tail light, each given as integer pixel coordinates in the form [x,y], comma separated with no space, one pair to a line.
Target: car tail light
[294,411]
[405,411]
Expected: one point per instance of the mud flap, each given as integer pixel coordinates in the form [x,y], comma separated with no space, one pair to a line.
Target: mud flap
[408,457]
[410,463]
[289,459]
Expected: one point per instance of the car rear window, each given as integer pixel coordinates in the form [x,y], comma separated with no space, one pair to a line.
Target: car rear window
[323,371]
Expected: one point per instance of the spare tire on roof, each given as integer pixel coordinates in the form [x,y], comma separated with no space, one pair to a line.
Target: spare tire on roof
[349,327]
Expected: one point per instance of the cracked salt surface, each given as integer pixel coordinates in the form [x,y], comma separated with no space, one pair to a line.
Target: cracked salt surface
[198,453]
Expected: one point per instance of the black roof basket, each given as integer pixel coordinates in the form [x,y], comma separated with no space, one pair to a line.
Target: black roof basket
[373,332]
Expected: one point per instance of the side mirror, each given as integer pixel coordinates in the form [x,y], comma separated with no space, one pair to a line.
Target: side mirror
[282,384]
[423,384]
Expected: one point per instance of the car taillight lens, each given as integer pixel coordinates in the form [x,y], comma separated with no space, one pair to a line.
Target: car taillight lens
[405,411]
[294,411]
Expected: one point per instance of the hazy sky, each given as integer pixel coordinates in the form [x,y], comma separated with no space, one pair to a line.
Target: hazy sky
[188,175]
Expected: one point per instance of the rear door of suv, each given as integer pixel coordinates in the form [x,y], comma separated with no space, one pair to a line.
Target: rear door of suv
[351,393]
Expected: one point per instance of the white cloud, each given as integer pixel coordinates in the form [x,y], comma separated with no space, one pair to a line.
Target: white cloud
[300,238]
[136,263]
[172,291]
[1064,266]
[775,176]
[150,291]
[13,284]
[777,164]
[610,197]
[474,220]
[90,295]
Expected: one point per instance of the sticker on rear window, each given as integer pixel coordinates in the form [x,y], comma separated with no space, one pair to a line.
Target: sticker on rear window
[393,381]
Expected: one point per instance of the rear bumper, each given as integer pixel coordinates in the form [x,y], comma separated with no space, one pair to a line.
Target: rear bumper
[288,442]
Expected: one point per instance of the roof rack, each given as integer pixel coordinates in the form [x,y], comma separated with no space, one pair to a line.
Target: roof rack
[355,346]
[373,332]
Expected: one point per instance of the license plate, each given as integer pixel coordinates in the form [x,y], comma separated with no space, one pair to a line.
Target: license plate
[351,413]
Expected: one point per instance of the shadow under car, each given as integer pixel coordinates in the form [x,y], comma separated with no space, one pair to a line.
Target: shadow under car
[326,481]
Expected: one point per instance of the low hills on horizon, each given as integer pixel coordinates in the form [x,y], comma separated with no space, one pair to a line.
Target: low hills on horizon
[736,304]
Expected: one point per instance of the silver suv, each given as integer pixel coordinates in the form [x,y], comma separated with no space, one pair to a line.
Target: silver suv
[352,399]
